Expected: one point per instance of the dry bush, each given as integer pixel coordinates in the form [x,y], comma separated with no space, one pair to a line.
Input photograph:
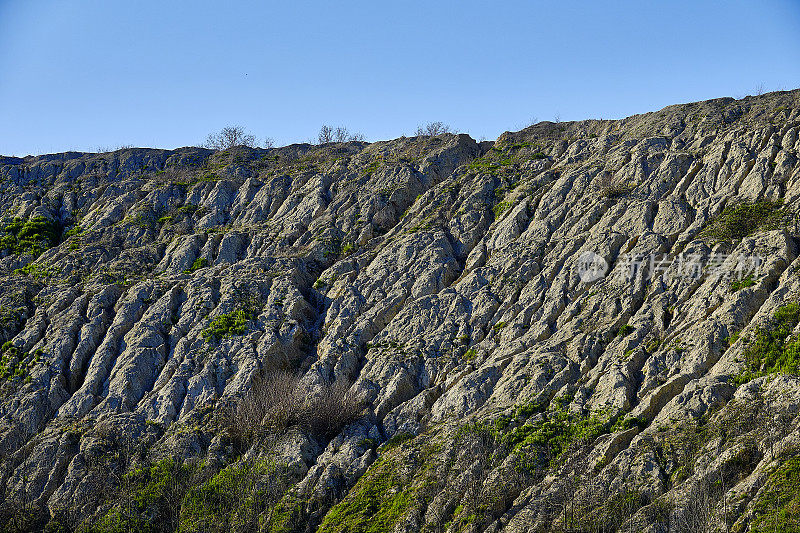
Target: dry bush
[339,134]
[432,129]
[329,411]
[229,137]
[268,404]
[277,402]
[609,188]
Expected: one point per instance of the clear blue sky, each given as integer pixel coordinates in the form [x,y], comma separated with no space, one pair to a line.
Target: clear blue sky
[79,74]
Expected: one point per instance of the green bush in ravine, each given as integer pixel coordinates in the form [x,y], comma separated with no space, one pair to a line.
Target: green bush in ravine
[200,262]
[227,325]
[551,436]
[28,237]
[545,439]
[15,365]
[149,499]
[778,507]
[232,323]
[773,350]
[235,499]
[375,504]
[744,283]
[738,221]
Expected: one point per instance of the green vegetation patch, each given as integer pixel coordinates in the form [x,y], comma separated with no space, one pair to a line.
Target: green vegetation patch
[149,497]
[778,508]
[552,436]
[288,511]
[228,325]
[37,271]
[15,365]
[231,498]
[774,350]
[501,208]
[546,438]
[503,158]
[738,221]
[374,505]
[740,284]
[200,262]
[625,330]
[28,237]
[627,422]
[74,231]
[397,440]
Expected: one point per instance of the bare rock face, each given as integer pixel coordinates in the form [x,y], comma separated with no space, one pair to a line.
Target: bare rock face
[407,334]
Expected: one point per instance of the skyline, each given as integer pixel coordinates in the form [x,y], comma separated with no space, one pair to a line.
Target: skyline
[87,74]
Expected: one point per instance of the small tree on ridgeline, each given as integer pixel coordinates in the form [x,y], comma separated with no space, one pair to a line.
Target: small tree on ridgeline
[339,134]
[432,129]
[228,137]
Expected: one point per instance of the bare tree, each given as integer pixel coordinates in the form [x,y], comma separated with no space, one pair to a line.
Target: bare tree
[229,137]
[432,129]
[339,134]
[608,187]
[278,401]
[325,134]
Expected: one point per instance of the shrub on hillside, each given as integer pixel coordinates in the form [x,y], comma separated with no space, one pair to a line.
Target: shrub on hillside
[277,401]
[229,137]
[339,134]
[432,129]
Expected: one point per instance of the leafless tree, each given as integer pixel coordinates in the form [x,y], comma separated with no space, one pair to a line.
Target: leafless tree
[432,129]
[325,134]
[105,149]
[608,187]
[339,134]
[277,401]
[228,137]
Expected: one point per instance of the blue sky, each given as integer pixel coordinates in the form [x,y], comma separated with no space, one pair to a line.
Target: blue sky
[79,74]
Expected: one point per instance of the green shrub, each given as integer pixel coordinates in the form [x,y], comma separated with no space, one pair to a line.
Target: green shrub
[149,499]
[778,507]
[501,208]
[74,231]
[15,365]
[738,221]
[200,262]
[550,437]
[653,345]
[625,330]
[772,350]
[625,423]
[544,440]
[31,237]
[527,409]
[37,271]
[229,501]
[227,325]
[375,505]
[737,285]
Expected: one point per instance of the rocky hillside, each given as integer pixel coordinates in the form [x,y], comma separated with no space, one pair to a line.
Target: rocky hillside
[583,326]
